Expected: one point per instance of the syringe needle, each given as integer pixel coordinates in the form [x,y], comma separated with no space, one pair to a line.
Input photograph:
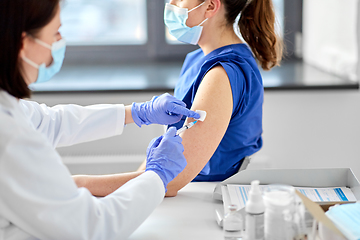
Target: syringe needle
[185,127]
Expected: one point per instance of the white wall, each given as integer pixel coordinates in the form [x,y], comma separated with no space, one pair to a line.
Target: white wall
[311,129]
[301,129]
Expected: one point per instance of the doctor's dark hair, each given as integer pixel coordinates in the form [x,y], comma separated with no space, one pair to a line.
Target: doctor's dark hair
[257,27]
[18,17]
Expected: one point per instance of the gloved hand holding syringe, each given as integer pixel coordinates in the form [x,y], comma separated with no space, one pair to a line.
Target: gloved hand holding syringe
[189,125]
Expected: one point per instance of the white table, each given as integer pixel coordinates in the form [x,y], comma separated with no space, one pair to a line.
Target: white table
[189,215]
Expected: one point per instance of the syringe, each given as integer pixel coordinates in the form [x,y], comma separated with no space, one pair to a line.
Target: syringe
[185,127]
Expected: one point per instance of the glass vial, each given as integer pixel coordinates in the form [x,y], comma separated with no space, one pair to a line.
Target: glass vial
[233,224]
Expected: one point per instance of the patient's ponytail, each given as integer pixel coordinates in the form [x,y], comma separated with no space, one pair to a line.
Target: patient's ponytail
[257,27]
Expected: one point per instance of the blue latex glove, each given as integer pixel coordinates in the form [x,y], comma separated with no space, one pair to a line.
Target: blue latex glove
[164,109]
[165,156]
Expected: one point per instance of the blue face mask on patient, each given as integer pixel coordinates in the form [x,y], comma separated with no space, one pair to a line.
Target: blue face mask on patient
[175,19]
[58,54]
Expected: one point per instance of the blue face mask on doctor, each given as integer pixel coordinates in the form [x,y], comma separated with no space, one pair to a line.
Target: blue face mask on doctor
[175,19]
[58,54]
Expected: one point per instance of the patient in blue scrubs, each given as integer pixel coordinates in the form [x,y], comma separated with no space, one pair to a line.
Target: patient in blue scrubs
[243,134]
[221,78]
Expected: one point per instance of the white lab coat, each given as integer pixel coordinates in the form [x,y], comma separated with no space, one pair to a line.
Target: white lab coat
[39,199]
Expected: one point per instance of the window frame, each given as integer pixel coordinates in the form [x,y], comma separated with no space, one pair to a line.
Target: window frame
[157,48]
[293,15]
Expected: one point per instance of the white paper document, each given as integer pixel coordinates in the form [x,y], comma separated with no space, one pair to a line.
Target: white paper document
[239,194]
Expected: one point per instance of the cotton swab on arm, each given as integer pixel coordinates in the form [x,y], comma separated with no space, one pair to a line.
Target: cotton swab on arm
[202,118]
[202,115]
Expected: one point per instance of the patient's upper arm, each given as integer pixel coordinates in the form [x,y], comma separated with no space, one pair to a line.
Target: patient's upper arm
[214,96]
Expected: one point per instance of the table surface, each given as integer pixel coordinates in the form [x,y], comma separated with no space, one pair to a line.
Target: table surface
[189,215]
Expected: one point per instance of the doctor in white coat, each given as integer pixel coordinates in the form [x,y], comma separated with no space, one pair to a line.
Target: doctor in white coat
[38,197]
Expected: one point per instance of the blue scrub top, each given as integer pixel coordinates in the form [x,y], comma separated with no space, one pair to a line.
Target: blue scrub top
[243,135]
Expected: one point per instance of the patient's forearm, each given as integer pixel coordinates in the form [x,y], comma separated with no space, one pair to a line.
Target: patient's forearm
[103,185]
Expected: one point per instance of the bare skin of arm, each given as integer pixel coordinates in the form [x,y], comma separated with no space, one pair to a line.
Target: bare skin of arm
[214,96]
[103,185]
[128,115]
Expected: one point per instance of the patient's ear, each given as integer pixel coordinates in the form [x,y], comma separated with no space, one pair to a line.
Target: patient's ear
[212,8]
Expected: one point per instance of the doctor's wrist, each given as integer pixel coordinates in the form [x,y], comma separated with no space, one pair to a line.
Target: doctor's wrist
[128,115]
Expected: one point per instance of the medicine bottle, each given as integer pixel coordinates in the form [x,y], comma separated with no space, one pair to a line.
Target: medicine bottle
[233,224]
[254,208]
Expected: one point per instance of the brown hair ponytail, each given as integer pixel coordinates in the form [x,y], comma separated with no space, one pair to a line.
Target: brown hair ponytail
[257,27]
